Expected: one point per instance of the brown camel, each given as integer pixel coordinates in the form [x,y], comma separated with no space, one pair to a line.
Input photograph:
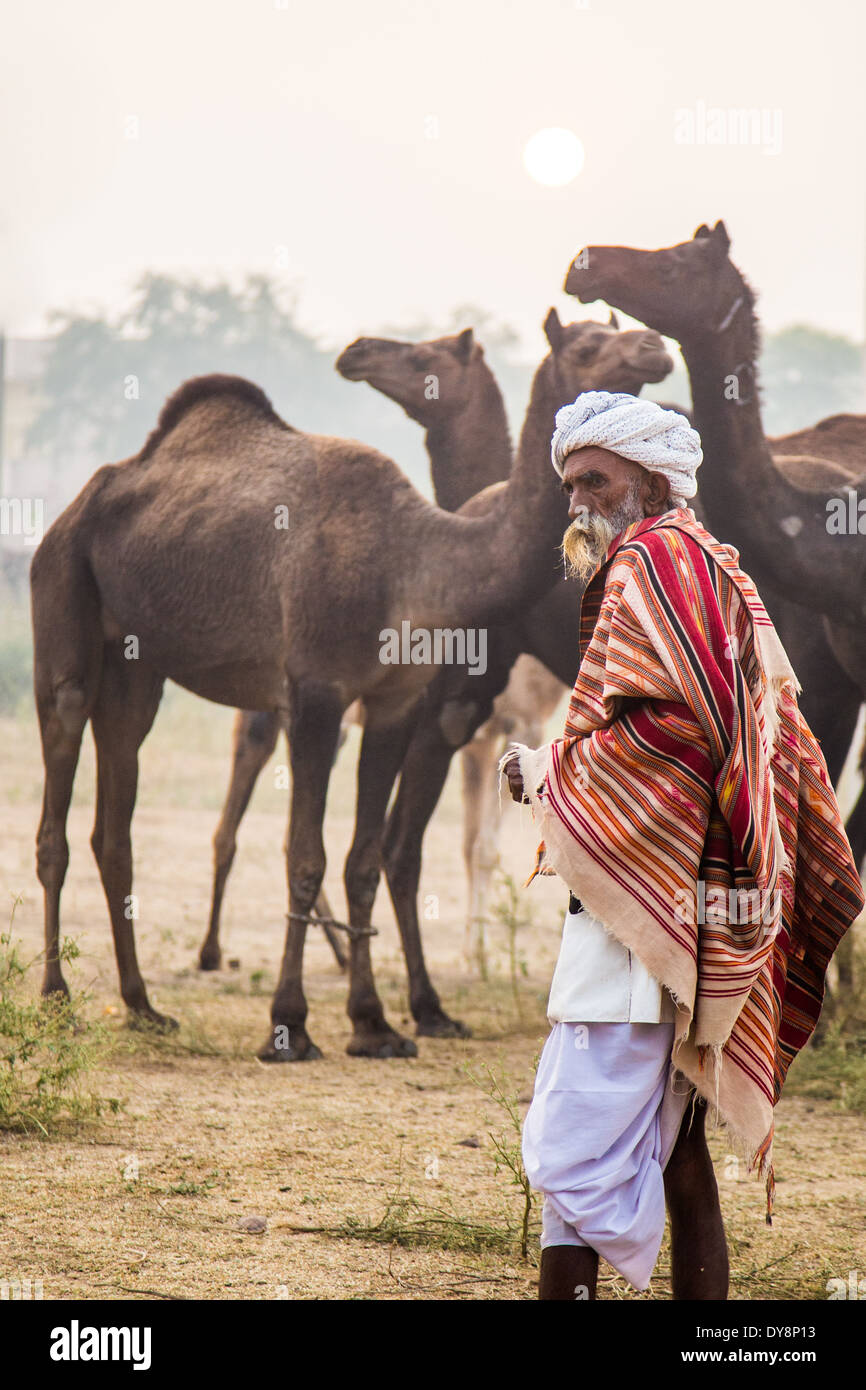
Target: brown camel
[771,498]
[457,703]
[130,587]
[446,385]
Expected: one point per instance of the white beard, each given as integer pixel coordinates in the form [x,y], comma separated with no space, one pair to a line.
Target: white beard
[587,540]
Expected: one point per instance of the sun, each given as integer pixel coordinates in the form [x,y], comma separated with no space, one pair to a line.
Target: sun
[553,156]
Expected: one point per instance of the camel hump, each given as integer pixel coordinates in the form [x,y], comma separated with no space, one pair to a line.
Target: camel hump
[483,501]
[204,388]
[810,474]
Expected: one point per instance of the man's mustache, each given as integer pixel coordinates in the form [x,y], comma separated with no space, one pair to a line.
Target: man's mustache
[585,543]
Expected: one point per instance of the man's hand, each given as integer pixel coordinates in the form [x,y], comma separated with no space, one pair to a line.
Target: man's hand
[515,780]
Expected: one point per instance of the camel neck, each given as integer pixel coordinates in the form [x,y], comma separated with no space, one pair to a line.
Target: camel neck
[738,486]
[780,530]
[508,558]
[471,450]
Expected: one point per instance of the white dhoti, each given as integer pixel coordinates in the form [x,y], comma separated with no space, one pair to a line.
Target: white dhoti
[602,1125]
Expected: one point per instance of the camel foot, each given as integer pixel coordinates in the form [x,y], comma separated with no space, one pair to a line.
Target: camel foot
[59,997]
[379,1040]
[437,1024]
[148,1020]
[288,1043]
[55,988]
[210,958]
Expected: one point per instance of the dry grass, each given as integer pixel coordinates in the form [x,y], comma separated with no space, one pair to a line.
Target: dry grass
[361,1168]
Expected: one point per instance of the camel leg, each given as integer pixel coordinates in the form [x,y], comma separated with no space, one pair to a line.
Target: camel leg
[67,659]
[255,739]
[485,859]
[699,1251]
[475,765]
[383,749]
[123,714]
[314,728]
[423,776]
[256,734]
[322,907]
[855,829]
[62,718]
[456,705]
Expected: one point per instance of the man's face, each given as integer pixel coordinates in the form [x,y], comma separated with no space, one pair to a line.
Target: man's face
[606,493]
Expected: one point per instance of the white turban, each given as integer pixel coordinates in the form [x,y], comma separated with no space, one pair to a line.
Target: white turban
[660,440]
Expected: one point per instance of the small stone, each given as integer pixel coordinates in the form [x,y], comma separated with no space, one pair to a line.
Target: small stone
[234,963]
[253,1225]
[473,1142]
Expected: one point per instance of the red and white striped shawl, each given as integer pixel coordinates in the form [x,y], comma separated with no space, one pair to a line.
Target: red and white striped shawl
[685,760]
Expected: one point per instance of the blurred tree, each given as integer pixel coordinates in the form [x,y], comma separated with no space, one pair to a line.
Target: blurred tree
[807,374]
[105,380]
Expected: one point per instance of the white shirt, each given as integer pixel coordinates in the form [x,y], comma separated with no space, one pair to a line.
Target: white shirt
[598,980]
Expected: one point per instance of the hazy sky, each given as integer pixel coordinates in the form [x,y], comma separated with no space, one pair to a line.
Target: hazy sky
[372,150]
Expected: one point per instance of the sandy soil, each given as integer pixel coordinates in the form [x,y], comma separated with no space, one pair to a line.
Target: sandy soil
[147,1204]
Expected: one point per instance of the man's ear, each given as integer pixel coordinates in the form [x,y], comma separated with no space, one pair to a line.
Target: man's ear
[657,488]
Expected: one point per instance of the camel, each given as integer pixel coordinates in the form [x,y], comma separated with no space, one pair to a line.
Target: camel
[446,385]
[770,497]
[457,704]
[333,552]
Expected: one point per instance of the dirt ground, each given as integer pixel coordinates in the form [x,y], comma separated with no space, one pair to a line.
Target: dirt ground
[377,1179]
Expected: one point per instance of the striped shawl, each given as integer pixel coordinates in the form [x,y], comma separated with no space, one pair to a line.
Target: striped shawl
[688,806]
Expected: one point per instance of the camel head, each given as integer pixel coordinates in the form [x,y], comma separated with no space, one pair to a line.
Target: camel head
[678,290]
[431,380]
[590,356]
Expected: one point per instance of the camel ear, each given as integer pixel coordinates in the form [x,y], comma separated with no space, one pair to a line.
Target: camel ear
[720,235]
[464,345]
[613,321]
[553,330]
[703,231]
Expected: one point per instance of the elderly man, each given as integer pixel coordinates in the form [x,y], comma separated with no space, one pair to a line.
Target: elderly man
[688,810]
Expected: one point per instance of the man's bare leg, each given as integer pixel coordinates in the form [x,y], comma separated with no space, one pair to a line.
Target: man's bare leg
[699,1251]
[568,1272]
